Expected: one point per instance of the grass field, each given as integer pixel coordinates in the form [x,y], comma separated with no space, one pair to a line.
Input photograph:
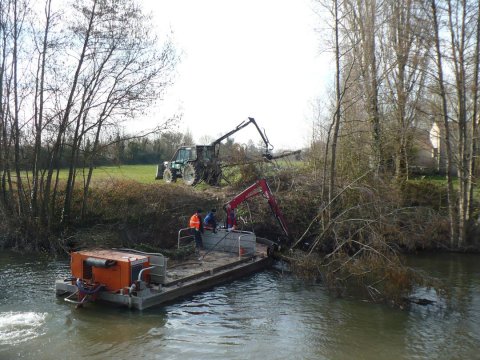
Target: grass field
[144,174]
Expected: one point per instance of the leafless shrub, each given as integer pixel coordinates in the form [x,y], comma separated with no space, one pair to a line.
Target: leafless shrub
[354,242]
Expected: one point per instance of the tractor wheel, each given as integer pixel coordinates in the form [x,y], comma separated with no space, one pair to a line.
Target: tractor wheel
[160,171]
[191,175]
[215,177]
[168,176]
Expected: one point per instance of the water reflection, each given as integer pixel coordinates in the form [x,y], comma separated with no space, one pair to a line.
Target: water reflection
[447,329]
[267,316]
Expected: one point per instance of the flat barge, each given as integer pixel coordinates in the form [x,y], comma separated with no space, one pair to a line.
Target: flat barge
[141,280]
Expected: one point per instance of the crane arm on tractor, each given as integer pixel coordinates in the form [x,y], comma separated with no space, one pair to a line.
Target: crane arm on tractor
[260,187]
[197,163]
[268,146]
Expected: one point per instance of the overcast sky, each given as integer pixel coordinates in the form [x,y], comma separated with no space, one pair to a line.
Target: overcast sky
[257,58]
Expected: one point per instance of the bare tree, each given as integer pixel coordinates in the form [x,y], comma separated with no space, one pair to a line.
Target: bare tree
[338,101]
[95,64]
[405,60]
[362,26]
[475,118]
[461,26]
[39,107]
[446,123]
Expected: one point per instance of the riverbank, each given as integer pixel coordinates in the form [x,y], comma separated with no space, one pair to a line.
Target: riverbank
[123,206]
[353,243]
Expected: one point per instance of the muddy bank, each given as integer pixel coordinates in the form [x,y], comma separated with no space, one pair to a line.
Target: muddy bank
[127,213]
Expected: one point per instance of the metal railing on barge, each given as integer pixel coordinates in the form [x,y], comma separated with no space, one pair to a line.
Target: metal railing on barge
[238,242]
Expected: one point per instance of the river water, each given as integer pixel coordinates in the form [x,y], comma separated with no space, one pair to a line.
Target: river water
[270,315]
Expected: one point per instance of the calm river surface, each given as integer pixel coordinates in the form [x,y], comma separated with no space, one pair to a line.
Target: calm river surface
[266,316]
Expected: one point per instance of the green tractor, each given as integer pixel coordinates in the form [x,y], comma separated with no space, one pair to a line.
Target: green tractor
[196,163]
[193,164]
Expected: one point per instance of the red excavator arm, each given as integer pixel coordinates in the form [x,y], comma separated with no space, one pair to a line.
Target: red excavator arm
[259,188]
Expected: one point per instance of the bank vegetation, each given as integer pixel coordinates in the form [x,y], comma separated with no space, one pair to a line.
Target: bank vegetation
[402,69]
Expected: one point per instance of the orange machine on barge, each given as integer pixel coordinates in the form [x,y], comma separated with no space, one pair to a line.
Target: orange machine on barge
[107,270]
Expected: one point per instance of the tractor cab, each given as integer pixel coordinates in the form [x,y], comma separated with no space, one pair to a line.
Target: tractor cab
[182,156]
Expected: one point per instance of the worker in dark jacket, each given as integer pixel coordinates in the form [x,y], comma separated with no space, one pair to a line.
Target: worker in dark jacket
[210,221]
[196,225]
[231,219]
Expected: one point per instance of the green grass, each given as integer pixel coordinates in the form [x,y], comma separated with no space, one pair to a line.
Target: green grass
[434,178]
[441,180]
[144,174]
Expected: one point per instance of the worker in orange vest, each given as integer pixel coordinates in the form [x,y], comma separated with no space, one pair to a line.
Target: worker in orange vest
[196,224]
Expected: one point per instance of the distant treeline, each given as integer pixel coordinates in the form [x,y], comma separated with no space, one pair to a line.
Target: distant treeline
[120,150]
[116,150]
[126,150]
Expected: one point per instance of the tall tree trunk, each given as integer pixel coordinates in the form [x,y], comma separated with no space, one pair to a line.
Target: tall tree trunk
[16,127]
[452,214]
[475,118]
[458,52]
[374,111]
[401,37]
[337,117]
[3,123]
[39,105]
[73,160]
[364,24]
